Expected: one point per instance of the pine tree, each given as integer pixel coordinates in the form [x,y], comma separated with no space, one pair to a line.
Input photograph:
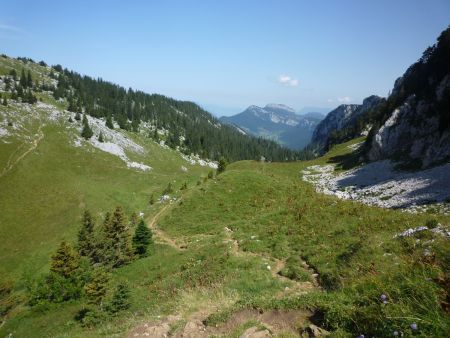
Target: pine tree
[222,165]
[87,131]
[65,261]
[168,190]
[134,219]
[103,246]
[78,116]
[86,244]
[72,105]
[100,137]
[135,125]
[23,79]
[29,80]
[211,174]
[142,239]
[156,135]
[28,97]
[120,300]
[70,119]
[109,122]
[97,288]
[5,101]
[20,91]
[7,84]
[152,199]
[13,73]
[118,239]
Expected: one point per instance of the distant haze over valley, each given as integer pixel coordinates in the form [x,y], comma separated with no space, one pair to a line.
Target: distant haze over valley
[277,122]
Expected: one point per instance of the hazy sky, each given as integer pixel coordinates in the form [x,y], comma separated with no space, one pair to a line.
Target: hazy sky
[227,55]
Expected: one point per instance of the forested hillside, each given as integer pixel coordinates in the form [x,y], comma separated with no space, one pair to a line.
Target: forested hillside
[189,127]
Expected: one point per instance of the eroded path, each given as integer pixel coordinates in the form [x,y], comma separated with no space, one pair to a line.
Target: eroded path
[189,324]
[275,268]
[12,161]
[160,235]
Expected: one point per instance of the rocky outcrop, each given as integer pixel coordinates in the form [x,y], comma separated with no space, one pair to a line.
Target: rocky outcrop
[414,125]
[342,117]
[414,131]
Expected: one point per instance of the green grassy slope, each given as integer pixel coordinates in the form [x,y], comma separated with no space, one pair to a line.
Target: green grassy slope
[273,215]
[44,189]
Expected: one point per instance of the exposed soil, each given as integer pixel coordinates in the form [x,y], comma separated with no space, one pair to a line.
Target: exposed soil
[160,235]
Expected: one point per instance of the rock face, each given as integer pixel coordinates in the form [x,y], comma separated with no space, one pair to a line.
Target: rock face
[415,131]
[414,125]
[277,122]
[342,117]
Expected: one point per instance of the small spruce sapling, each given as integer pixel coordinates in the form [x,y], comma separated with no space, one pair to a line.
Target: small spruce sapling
[97,288]
[211,174]
[222,166]
[152,199]
[100,137]
[120,300]
[109,122]
[87,131]
[142,239]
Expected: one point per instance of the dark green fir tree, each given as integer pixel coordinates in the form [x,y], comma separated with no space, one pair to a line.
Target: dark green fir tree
[87,131]
[86,239]
[65,261]
[142,239]
[120,300]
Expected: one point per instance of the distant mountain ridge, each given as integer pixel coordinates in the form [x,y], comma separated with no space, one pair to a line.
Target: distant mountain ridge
[277,122]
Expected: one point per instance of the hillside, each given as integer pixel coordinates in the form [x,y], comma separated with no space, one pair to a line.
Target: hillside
[276,122]
[49,173]
[189,128]
[90,174]
[411,125]
[237,253]
[345,117]
[414,124]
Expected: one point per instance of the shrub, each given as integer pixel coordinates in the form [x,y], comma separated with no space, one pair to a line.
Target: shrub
[120,300]
[89,317]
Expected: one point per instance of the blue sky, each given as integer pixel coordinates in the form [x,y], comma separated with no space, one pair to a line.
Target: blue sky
[227,55]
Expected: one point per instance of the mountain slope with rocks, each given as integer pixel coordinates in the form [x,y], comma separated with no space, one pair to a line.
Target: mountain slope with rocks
[411,126]
[414,125]
[342,118]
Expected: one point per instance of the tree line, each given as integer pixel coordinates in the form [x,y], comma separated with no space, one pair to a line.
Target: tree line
[201,133]
[190,128]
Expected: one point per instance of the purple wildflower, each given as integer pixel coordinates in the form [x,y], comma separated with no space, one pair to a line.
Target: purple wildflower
[385,302]
[413,326]
[383,297]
